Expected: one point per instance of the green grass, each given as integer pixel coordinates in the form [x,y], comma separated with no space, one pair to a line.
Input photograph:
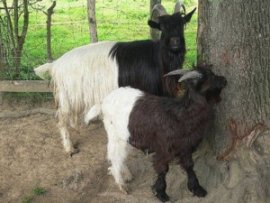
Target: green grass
[37,191]
[121,20]
[27,200]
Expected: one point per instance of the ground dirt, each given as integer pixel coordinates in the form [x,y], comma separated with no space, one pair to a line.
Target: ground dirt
[32,155]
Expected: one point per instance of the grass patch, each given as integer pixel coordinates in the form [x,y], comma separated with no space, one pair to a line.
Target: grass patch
[37,191]
[121,20]
[36,98]
[117,20]
[27,200]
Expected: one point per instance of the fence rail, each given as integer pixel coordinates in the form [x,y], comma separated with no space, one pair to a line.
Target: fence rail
[25,86]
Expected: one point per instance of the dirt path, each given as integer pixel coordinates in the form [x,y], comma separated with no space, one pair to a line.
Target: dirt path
[31,156]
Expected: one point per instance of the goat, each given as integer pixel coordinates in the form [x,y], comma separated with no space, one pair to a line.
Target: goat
[85,75]
[170,127]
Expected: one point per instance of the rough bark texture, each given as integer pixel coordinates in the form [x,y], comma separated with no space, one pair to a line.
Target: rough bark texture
[233,36]
[154,33]
[91,8]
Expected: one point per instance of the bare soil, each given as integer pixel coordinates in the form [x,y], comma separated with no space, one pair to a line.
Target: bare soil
[32,155]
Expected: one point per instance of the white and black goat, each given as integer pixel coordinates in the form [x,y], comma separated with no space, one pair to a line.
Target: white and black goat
[84,76]
[170,127]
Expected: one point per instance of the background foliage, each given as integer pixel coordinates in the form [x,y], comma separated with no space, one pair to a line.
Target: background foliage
[121,20]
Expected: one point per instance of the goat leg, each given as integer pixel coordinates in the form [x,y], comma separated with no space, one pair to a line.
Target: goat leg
[193,184]
[159,187]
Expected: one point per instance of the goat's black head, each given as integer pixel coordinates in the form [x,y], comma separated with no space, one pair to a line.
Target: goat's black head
[210,84]
[171,26]
[203,81]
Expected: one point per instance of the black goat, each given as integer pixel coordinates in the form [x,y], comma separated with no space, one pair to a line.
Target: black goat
[170,127]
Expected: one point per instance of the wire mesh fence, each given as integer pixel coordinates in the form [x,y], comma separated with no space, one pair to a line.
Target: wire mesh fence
[121,20]
[117,20]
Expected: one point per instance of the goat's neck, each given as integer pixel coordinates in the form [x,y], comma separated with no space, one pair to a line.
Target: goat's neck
[196,97]
[171,60]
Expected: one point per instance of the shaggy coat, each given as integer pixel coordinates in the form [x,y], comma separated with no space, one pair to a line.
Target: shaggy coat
[84,76]
[170,127]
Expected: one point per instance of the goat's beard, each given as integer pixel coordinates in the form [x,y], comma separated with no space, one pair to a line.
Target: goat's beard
[176,59]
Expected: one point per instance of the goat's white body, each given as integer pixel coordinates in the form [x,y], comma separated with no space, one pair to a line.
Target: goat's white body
[116,108]
[82,78]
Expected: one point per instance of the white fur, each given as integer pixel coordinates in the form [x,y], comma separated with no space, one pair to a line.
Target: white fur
[44,71]
[116,108]
[82,78]
[94,112]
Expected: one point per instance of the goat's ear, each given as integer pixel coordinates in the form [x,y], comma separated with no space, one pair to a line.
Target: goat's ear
[189,15]
[154,24]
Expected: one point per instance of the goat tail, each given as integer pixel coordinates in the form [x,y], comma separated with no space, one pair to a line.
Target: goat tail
[93,113]
[44,71]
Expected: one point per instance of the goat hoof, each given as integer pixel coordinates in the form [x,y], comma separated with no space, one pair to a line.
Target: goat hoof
[124,189]
[74,151]
[163,197]
[199,191]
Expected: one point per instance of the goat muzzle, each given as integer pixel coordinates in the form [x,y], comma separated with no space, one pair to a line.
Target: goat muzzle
[175,43]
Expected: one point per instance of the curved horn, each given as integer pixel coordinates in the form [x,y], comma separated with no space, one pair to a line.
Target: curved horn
[190,75]
[178,6]
[159,9]
[176,72]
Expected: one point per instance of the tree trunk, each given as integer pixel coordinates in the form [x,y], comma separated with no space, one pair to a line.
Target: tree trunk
[49,33]
[233,36]
[154,33]
[2,58]
[13,26]
[91,8]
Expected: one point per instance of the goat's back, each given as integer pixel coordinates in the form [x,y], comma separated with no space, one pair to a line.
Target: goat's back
[84,76]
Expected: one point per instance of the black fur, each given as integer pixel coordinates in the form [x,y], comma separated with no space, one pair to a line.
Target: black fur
[174,127]
[139,65]
[143,63]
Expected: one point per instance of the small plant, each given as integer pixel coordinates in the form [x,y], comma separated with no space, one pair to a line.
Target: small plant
[27,199]
[39,191]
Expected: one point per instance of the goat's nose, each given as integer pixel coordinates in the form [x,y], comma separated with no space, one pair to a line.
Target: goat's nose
[175,42]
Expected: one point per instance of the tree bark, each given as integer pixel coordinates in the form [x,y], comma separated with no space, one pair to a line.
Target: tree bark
[154,33]
[49,14]
[91,8]
[233,36]
[17,39]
